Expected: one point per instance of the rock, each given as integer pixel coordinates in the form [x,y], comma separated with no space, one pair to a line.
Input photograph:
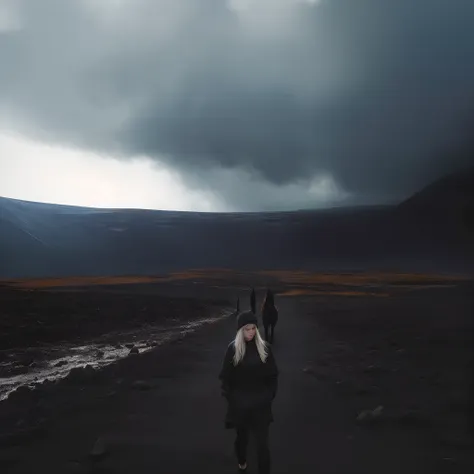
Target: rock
[377,411]
[99,449]
[374,369]
[81,374]
[370,415]
[134,350]
[363,415]
[142,385]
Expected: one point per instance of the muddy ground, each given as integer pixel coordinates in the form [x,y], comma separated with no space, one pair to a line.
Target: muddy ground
[374,378]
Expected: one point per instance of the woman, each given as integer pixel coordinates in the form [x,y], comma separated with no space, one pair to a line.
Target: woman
[249,378]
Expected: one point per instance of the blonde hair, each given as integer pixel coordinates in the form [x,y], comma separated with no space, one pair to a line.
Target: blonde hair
[239,345]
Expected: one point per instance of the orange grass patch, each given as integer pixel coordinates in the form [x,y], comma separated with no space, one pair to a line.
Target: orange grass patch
[309,292]
[78,281]
[357,279]
[290,277]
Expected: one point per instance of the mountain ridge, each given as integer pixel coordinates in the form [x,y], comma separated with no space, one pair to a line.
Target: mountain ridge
[41,239]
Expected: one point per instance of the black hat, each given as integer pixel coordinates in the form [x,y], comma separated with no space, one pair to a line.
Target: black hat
[247,317]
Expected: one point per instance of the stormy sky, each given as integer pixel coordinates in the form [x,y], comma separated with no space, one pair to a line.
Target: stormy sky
[232,105]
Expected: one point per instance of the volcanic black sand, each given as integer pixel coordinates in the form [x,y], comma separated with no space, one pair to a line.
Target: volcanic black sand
[374,379]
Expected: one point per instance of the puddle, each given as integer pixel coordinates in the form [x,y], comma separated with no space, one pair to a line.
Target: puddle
[34,365]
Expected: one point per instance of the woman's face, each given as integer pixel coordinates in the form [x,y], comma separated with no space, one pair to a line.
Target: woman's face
[249,331]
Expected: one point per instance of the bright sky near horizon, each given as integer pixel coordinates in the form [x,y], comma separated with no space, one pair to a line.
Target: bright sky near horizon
[54,174]
[233,105]
[48,173]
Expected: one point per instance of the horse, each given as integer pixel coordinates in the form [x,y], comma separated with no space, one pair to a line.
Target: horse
[252,301]
[269,316]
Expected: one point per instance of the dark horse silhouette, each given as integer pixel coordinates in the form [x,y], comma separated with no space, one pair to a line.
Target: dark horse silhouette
[269,315]
[252,301]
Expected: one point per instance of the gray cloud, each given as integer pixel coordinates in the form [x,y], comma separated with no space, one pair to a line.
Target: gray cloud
[369,92]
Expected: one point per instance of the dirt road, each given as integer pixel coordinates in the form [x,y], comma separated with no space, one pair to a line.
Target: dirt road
[172,419]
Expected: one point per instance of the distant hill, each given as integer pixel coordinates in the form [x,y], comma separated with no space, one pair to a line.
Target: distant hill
[451,195]
[445,207]
[429,230]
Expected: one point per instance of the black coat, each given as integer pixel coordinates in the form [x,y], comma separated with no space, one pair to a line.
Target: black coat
[249,387]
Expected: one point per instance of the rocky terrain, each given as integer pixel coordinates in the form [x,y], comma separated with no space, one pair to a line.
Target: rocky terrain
[380,374]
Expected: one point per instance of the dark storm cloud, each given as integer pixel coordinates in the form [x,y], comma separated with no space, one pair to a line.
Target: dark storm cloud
[369,91]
